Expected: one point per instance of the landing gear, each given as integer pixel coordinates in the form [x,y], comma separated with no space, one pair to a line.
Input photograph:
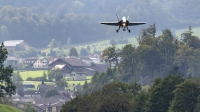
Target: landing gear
[118,29]
[128,29]
[124,29]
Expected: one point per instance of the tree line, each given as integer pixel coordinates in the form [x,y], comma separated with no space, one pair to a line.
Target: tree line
[168,65]
[156,55]
[172,93]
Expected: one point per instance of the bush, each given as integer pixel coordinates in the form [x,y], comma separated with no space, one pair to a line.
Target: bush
[50,93]
[38,79]
[30,79]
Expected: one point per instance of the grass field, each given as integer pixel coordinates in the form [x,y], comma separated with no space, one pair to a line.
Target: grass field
[39,73]
[6,108]
[98,45]
[33,74]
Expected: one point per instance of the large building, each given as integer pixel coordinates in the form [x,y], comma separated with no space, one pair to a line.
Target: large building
[11,44]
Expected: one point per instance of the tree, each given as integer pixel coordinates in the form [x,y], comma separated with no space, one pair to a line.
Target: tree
[29,107]
[88,48]
[7,86]
[61,83]
[17,81]
[44,76]
[129,61]
[188,91]
[141,100]
[50,93]
[197,108]
[73,52]
[83,52]
[114,97]
[55,74]
[110,55]
[161,95]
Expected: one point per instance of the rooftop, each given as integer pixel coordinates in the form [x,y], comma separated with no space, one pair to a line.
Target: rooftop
[12,42]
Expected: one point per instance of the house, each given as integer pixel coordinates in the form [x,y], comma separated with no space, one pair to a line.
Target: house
[32,93]
[67,65]
[64,68]
[89,71]
[53,104]
[86,60]
[12,61]
[43,87]
[78,87]
[42,63]
[77,74]
[11,44]
[96,58]
[28,62]
[99,67]
[70,62]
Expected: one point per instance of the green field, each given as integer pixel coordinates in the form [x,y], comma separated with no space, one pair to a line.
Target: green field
[98,45]
[33,74]
[6,108]
[39,73]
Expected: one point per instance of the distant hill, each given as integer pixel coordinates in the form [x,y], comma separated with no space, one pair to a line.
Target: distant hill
[6,108]
[37,22]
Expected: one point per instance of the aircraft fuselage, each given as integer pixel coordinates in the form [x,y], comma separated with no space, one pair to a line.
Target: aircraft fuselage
[123,23]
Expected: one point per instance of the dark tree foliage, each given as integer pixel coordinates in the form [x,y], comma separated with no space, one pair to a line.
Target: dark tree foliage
[114,97]
[73,52]
[45,20]
[161,94]
[83,52]
[50,92]
[17,81]
[6,87]
[185,97]
[55,74]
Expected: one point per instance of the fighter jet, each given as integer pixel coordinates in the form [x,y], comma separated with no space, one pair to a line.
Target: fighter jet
[124,23]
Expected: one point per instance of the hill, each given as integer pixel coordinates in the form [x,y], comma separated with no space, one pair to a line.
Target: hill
[37,22]
[6,108]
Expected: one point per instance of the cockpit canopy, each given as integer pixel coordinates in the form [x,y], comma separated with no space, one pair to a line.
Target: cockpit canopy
[124,19]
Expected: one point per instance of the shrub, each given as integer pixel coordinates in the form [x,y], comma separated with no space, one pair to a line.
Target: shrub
[30,79]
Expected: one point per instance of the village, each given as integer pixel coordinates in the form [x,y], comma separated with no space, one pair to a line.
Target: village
[77,71]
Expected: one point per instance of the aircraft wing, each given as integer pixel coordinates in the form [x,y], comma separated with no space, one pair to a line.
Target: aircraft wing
[110,23]
[135,23]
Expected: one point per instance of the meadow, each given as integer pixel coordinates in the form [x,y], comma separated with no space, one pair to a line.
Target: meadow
[32,74]
[101,45]
[39,73]
[7,108]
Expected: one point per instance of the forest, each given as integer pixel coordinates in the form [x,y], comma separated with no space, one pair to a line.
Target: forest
[172,93]
[169,68]
[160,75]
[45,20]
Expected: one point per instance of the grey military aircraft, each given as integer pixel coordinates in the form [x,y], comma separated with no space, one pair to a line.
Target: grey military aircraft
[124,23]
